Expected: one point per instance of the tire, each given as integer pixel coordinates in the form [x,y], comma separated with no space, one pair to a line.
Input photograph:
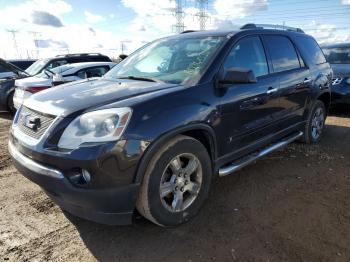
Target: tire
[314,130]
[170,172]
[10,106]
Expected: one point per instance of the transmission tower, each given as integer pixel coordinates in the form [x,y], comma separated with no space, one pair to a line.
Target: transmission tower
[36,41]
[202,14]
[14,32]
[179,15]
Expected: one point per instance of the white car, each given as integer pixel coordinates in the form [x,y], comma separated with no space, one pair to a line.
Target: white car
[26,87]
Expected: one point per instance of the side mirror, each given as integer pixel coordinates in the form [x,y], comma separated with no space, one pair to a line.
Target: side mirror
[122,56]
[237,75]
[57,79]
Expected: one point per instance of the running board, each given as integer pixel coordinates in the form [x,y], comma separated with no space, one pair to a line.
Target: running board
[252,157]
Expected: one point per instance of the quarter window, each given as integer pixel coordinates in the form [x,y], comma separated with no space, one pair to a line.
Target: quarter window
[283,54]
[248,53]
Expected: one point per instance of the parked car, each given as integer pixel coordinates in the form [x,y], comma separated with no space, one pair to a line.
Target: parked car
[22,63]
[8,74]
[50,63]
[153,132]
[338,56]
[26,87]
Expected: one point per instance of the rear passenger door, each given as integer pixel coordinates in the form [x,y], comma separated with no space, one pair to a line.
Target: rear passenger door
[293,76]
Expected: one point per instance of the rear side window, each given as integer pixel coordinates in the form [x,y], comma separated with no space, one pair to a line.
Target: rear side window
[283,54]
[248,53]
[92,72]
[310,50]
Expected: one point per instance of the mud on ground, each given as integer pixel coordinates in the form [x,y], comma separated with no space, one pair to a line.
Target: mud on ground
[293,205]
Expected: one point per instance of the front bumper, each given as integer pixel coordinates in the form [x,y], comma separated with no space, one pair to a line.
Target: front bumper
[108,205]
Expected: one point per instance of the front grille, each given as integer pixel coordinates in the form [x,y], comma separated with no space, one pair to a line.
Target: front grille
[337,80]
[43,123]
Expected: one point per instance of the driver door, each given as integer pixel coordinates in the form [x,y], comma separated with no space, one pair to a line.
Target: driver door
[250,110]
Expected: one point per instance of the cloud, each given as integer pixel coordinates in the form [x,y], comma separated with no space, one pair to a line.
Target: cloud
[327,33]
[45,18]
[93,18]
[237,8]
[345,2]
[49,43]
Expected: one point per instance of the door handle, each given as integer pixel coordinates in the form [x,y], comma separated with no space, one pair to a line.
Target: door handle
[271,90]
[307,80]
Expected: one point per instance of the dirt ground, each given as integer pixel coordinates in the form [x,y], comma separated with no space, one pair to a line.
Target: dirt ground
[293,205]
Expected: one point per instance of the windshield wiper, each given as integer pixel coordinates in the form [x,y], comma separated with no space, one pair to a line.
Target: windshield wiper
[141,78]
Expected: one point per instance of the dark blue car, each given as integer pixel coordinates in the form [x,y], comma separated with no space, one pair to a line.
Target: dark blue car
[338,56]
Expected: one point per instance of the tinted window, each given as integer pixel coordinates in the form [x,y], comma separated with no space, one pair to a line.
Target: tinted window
[248,53]
[337,55]
[310,50]
[283,54]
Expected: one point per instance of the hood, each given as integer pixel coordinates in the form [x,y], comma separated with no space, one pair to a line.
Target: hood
[341,70]
[33,81]
[80,95]
[12,68]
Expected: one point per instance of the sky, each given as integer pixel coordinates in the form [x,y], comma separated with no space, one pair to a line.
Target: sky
[44,28]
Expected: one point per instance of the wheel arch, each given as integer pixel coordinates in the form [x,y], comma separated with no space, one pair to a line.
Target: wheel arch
[201,132]
[325,97]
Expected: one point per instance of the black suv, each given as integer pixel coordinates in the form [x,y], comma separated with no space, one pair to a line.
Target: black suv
[161,124]
[338,56]
[49,63]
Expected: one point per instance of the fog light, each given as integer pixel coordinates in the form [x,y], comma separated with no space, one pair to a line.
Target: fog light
[86,176]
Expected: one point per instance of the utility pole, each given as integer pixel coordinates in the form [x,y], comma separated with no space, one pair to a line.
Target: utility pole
[122,45]
[202,15]
[36,42]
[179,15]
[14,32]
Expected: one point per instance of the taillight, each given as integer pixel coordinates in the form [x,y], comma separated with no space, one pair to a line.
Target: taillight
[35,89]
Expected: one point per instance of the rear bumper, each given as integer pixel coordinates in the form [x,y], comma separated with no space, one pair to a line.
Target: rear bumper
[112,206]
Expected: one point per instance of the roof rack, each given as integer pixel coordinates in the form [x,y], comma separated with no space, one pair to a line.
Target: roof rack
[78,54]
[271,26]
[188,31]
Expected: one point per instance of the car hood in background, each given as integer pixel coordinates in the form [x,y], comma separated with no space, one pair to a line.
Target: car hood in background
[341,70]
[80,95]
[33,81]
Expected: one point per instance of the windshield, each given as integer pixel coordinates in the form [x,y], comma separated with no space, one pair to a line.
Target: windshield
[339,55]
[37,67]
[177,61]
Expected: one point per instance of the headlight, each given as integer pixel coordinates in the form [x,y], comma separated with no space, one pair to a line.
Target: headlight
[347,80]
[96,126]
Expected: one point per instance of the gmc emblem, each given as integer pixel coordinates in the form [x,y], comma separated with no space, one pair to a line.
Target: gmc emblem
[32,122]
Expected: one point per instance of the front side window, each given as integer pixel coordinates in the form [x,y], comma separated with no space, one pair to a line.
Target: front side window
[248,53]
[92,72]
[283,54]
[170,60]
[337,55]
[56,63]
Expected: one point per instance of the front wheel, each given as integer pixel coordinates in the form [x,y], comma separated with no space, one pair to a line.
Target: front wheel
[315,124]
[176,182]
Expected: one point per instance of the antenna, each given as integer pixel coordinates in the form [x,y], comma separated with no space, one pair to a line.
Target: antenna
[179,15]
[202,15]
[14,32]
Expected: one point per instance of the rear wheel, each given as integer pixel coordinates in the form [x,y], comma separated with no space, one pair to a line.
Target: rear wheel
[176,182]
[315,124]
